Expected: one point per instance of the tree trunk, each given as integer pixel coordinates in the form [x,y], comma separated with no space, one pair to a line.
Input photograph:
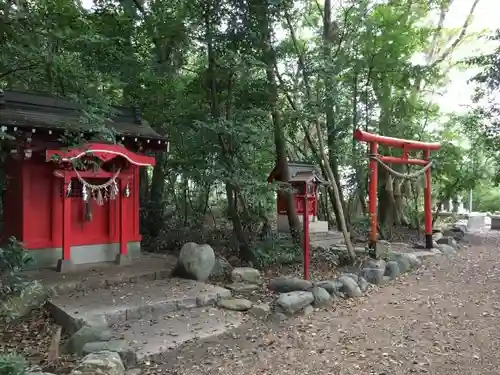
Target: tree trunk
[259,9]
[156,197]
[226,145]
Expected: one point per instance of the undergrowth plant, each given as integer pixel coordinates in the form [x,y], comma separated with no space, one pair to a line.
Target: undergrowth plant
[13,260]
[12,364]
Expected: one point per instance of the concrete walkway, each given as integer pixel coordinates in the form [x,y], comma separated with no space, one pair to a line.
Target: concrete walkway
[444,320]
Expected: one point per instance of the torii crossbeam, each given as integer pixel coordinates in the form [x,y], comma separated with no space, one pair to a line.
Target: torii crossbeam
[406,145]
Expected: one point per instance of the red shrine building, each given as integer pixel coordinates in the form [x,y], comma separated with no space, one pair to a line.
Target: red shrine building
[73,204]
[304,179]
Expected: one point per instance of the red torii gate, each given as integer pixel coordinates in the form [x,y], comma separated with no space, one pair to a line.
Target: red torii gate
[374,140]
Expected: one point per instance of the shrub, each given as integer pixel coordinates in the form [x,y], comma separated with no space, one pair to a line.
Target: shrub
[12,364]
[13,260]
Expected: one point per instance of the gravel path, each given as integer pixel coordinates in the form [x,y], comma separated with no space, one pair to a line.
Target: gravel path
[442,320]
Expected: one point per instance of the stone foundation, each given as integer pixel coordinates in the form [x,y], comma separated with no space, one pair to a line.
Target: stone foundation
[315,226]
[495,222]
[50,257]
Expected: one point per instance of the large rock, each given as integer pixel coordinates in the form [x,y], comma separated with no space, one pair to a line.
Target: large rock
[374,270]
[460,227]
[404,263]
[349,287]
[85,335]
[246,275]
[331,286]
[100,363]
[195,262]
[321,297]
[363,284]
[241,288]
[236,304]
[458,233]
[447,249]
[414,261]
[126,353]
[260,310]
[437,236]
[289,284]
[222,268]
[32,296]
[352,276]
[375,263]
[373,275]
[392,269]
[448,240]
[292,302]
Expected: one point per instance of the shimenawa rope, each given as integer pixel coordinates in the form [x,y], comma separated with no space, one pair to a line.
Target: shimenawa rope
[404,176]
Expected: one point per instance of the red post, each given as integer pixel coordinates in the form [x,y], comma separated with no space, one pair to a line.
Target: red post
[372,196]
[428,204]
[66,219]
[123,219]
[305,245]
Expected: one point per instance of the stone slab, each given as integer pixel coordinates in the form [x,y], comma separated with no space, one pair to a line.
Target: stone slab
[476,221]
[86,277]
[151,338]
[425,254]
[135,301]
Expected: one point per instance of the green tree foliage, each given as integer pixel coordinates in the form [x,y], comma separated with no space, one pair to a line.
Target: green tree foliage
[239,86]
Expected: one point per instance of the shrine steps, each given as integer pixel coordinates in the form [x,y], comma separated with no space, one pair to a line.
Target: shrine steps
[318,239]
[152,338]
[154,316]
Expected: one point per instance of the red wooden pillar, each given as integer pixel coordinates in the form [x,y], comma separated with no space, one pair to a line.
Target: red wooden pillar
[372,196]
[64,264]
[428,204]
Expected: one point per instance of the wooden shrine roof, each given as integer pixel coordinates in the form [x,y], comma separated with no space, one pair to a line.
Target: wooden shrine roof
[297,170]
[26,110]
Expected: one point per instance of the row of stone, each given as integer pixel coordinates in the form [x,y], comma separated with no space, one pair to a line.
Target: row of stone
[103,362]
[298,296]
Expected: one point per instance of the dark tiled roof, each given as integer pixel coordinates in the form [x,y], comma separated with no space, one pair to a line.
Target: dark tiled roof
[36,111]
[295,168]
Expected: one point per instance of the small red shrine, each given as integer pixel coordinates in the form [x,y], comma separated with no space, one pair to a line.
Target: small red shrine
[301,175]
[73,205]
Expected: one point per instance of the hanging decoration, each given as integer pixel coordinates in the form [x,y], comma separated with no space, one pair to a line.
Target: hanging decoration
[102,192]
[88,207]
[126,193]
[68,189]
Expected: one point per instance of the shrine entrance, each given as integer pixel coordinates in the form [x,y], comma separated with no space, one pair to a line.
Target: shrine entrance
[96,197]
[376,159]
[73,205]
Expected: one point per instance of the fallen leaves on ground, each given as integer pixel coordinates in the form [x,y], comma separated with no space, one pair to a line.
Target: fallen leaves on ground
[443,319]
[31,337]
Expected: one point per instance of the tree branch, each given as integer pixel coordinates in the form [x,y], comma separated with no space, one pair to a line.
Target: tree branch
[18,69]
[460,36]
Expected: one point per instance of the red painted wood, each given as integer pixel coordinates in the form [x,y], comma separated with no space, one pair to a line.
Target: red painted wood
[105,152]
[428,204]
[299,202]
[66,221]
[362,136]
[123,219]
[56,211]
[40,216]
[396,160]
[374,140]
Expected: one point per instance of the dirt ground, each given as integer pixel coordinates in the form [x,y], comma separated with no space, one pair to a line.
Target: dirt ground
[442,320]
